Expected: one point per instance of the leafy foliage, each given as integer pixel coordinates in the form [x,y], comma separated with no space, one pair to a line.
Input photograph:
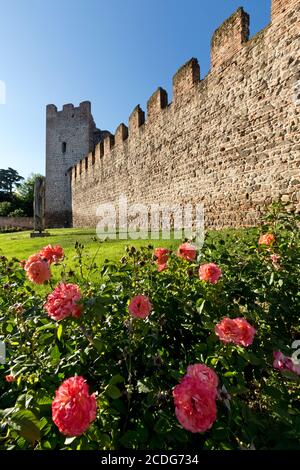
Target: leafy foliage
[16,193]
[5,208]
[9,179]
[133,364]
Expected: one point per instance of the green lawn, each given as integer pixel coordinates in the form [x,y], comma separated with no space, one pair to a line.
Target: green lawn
[20,245]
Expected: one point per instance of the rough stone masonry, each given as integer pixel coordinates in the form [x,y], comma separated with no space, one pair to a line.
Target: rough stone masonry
[229,141]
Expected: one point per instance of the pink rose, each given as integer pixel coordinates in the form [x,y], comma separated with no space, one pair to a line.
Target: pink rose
[210,273]
[73,408]
[140,306]
[187,251]
[37,269]
[195,404]
[10,378]
[52,253]
[282,362]
[237,331]
[162,255]
[205,374]
[63,302]
[266,239]
[32,259]
[161,267]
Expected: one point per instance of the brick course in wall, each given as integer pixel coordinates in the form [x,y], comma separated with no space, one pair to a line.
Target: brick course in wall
[229,141]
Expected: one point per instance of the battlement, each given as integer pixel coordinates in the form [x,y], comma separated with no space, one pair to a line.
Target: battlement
[136,119]
[121,134]
[67,109]
[185,79]
[235,121]
[157,102]
[229,38]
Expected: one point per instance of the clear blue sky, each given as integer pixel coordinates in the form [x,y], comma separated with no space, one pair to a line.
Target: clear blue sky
[114,53]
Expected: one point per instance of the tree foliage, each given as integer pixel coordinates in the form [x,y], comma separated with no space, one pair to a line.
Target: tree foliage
[9,179]
[16,193]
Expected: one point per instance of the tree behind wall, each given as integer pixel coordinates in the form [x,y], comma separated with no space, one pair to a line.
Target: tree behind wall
[16,193]
[9,179]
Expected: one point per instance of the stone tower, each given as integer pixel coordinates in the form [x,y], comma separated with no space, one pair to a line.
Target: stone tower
[70,135]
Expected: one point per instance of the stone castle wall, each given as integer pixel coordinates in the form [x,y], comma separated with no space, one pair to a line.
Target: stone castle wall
[230,141]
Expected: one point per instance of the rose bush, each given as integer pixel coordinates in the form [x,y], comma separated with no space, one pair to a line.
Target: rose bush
[148,358]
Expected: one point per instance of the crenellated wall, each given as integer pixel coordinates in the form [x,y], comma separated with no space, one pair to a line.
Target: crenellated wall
[230,141]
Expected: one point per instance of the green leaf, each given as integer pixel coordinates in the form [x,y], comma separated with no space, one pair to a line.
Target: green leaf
[46,400]
[129,439]
[142,433]
[230,374]
[98,344]
[119,405]
[163,425]
[27,425]
[252,358]
[55,355]
[291,375]
[273,392]
[180,434]
[59,332]
[200,309]
[214,361]
[113,392]
[49,326]
[46,445]
[116,379]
